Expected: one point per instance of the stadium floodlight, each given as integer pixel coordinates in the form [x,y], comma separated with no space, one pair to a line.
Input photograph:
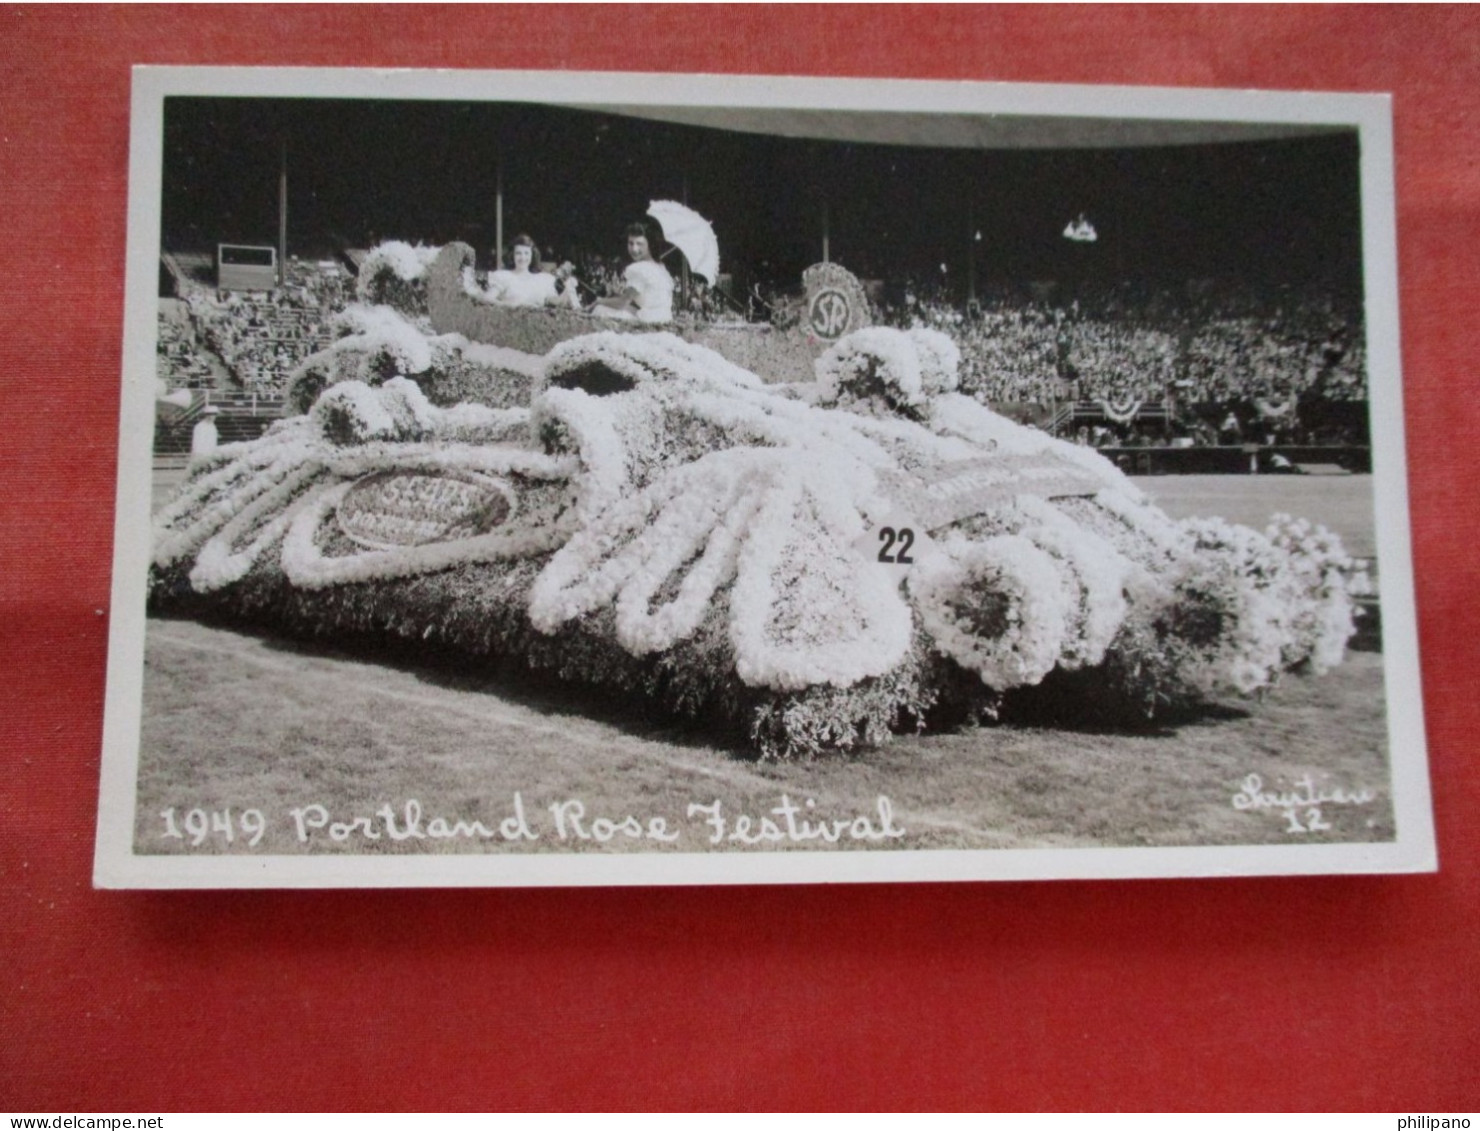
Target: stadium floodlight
[1080,230]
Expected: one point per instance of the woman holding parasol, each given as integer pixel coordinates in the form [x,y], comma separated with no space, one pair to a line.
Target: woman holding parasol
[647,293]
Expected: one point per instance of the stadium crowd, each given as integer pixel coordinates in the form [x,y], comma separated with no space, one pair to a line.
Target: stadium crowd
[1206,365]
[181,362]
[261,336]
[1220,364]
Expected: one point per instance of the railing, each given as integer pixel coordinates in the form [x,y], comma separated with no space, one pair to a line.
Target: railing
[241,416]
[1073,412]
[1241,459]
[249,404]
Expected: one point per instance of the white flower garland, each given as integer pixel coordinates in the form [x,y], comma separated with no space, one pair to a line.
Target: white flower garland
[602,454]
[360,409]
[468,422]
[351,412]
[215,494]
[306,566]
[700,477]
[872,361]
[955,414]
[1149,525]
[713,364]
[732,515]
[401,259]
[904,444]
[352,463]
[940,360]
[646,358]
[1324,580]
[219,563]
[1102,574]
[409,407]
[1036,619]
[379,337]
[1245,579]
[870,638]
[1270,410]
[470,287]
[494,357]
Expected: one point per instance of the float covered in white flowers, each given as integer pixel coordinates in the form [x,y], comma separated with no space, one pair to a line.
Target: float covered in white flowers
[818,564]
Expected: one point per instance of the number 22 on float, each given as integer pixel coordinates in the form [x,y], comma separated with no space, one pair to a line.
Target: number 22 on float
[897,543]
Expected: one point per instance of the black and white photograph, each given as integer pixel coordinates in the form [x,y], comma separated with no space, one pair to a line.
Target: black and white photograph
[562,479]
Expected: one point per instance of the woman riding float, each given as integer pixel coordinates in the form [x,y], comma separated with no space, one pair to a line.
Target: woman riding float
[525,287]
[648,292]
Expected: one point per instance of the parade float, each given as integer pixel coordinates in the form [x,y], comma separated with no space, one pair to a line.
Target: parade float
[816,562]
[831,304]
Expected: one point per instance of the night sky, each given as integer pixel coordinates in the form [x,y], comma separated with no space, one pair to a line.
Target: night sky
[1285,211]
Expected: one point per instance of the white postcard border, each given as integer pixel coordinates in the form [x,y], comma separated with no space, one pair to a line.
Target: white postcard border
[116,864]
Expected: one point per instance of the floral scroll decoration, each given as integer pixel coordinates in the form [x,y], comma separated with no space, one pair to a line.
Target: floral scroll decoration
[660,497]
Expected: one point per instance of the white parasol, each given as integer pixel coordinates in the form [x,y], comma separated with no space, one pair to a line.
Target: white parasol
[693,235]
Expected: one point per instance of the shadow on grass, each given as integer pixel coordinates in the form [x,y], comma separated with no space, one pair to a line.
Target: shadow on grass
[1076,702]
[1081,703]
[508,678]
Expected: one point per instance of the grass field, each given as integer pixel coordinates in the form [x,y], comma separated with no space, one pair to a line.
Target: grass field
[239,721]
[1343,503]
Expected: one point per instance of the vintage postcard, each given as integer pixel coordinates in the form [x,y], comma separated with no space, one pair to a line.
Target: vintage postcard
[579,479]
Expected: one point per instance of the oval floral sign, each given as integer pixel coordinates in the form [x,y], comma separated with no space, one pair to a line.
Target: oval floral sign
[391,509]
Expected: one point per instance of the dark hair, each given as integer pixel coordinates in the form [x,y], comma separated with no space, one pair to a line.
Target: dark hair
[638,228]
[523,240]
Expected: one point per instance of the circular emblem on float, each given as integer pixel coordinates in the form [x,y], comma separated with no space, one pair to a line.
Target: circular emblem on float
[828,313]
[389,510]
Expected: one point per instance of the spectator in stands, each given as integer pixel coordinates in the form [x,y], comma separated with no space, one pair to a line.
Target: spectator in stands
[1223,348]
[261,337]
[647,293]
[1231,431]
[526,284]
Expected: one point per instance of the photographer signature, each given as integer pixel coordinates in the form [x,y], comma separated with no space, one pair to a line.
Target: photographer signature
[1300,806]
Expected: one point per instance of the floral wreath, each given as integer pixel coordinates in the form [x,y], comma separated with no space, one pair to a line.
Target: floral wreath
[1032,625]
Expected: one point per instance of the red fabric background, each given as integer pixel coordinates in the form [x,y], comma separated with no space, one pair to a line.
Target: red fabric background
[1291,993]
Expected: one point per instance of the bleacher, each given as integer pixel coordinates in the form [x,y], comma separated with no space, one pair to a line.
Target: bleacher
[235,351]
[189,269]
[261,339]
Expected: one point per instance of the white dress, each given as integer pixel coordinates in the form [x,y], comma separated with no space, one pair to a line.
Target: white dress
[654,287]
[528,288]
